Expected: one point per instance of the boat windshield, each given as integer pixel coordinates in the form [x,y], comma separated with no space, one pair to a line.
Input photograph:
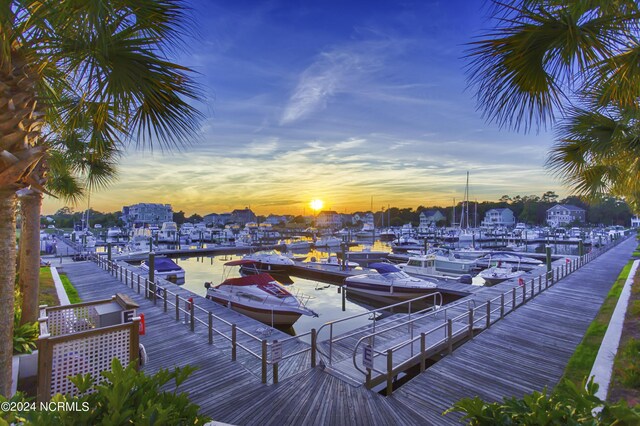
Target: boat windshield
[399,275]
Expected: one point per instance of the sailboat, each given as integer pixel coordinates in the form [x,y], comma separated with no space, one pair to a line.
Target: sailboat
[83,235]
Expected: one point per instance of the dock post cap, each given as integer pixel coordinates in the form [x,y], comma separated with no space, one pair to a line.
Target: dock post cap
[126,302]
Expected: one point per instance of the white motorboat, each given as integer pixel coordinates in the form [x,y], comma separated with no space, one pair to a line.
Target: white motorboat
[260,297]
[167,269]
[406,244]
[423,266]
[295,244]
[331,261]
[367,231]
[389,282]
[499,273]
[85,238]
[113,234]
[267,261]
[509,258]
[328,242]
[168,233]
[388,235]
[470,253]
[140,242]
[451,263]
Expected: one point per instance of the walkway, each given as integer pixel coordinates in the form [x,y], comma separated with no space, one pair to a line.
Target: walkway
[523,352]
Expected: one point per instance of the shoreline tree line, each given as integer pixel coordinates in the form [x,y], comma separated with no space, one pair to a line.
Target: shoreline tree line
[529,209]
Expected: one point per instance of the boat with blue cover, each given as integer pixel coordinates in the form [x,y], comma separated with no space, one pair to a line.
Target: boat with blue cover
[167,269]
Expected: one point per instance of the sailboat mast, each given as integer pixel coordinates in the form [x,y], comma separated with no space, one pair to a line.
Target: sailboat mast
[475,216]
[466,196]
[453,221]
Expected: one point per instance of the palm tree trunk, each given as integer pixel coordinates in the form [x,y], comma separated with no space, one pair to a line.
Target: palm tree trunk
[7,284]
[29,259]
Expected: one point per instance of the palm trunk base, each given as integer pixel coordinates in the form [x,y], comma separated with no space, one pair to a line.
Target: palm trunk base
[7,285]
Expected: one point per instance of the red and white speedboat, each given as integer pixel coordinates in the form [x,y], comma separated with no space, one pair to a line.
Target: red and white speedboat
[260,297]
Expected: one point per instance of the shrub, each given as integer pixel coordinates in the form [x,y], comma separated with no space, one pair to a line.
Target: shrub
[24,336]
[568,404]
[127,396]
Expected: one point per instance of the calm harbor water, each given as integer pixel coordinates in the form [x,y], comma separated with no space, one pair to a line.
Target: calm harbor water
[323,298]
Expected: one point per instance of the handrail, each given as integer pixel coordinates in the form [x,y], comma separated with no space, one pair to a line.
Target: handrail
[330,324]
[528,292]
[169,298]
[154,289]
[434,313]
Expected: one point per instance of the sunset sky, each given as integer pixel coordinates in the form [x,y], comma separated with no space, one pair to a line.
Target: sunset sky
[333,100]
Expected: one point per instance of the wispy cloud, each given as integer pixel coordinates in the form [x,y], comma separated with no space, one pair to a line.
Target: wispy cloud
[336,71]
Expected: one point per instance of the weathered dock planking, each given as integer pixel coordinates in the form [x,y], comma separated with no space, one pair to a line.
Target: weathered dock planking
[525,351]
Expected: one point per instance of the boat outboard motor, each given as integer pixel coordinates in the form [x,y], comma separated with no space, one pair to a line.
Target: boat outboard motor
[465,279]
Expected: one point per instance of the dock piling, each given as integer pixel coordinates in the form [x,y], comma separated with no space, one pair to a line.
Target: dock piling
[450,336]
[314,337]
[192,314]
[264,361]
[488,314]
[164,299]
[152,266]
[389,372]
[233,342]
[210,327]
[177,308]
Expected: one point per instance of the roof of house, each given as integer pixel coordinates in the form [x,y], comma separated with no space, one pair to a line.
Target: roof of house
[430,212]
[500,210]
[569,207]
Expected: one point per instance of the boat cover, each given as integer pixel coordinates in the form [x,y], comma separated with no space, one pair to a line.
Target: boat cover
[164,264]
[258,279]
[384,268]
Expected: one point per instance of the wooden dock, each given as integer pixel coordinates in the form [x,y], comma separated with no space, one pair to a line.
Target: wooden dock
[525,351]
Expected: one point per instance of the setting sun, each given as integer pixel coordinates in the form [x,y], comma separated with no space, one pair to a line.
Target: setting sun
[316,204]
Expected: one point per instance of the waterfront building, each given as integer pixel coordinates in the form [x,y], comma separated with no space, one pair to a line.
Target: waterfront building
[217,219]
[328,219]
[142,214]
[564,214]
[499,217]
[243,216]
[635,222]
[429,218]
[273,219]
[211,219]
[366,218]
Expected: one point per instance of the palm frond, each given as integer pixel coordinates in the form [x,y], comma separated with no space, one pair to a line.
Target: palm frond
[526,70]
[597,152]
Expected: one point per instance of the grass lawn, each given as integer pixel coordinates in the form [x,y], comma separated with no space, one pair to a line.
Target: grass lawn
[72,293]
[48,295]
[625,381]
[581,361]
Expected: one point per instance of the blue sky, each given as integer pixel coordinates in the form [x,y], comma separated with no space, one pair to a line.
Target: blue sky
[334,100]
